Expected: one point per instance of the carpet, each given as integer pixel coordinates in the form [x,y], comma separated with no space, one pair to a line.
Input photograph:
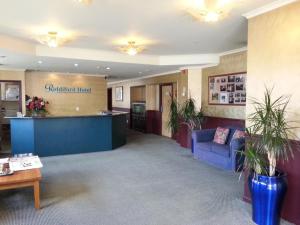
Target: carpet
[149,181]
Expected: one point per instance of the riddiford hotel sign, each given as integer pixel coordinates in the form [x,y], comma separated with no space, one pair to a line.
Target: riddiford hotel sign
[62,89]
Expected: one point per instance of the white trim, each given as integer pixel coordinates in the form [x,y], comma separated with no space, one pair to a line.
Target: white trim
[11,69]
[145,77]
[198,67]
[243,49]
[267,8]
[65,73]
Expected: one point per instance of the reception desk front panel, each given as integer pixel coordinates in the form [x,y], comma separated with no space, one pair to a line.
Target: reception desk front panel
[67,135]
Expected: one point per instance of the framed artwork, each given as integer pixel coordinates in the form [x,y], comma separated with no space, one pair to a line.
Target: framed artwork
[119,93]
[227,89]
[12,92]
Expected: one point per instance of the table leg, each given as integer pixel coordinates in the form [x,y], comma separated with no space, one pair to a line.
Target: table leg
[36,188]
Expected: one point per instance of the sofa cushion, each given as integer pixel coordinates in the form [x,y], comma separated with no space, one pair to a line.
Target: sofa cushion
[203,146]
[221,135]
[220,149]
[231,133]
[238,134]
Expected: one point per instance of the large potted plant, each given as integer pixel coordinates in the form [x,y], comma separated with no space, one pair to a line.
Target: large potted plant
[173,122]
[268,142]
[190,119]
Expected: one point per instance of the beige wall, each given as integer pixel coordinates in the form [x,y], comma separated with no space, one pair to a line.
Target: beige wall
[179,80]
[232,63]
[16,76]
[66,103]
[195,86]
[274,56]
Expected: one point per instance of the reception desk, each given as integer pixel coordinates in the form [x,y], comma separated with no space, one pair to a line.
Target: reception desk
[59,135]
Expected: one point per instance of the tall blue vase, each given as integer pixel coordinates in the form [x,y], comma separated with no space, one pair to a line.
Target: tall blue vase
[267,198]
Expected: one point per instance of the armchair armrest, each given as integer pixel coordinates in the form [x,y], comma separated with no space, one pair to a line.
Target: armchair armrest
[237,158]
[205,135]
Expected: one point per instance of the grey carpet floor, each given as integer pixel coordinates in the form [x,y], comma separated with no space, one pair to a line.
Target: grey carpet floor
[149,181]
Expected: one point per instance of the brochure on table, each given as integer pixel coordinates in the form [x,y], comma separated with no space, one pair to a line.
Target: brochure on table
[23,163]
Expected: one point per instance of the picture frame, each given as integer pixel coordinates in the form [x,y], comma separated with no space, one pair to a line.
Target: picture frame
[12,92]
[227,89]
[119,93]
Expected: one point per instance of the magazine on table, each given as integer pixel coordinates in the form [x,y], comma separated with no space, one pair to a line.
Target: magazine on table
[25,163]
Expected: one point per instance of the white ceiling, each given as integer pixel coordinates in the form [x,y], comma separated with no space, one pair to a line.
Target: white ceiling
[162,23]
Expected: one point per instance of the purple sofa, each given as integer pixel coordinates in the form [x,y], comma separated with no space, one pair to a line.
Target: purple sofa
[222,156]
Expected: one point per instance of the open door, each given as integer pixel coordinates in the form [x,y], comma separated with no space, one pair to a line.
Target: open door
[109,99]
[166,95]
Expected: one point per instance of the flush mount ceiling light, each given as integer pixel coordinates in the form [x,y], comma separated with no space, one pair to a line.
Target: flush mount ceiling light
[131,48]
[86,2]
[55,39]
[52,39]
[210,10]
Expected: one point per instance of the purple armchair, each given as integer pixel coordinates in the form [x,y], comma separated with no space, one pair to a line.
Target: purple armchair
[225,156]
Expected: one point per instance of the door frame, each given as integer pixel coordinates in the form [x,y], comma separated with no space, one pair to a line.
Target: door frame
[160,102]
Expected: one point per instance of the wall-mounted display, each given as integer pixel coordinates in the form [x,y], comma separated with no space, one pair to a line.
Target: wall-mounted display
[119,93]
[227,89]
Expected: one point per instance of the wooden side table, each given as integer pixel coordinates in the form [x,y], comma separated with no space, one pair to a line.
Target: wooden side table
[21,179]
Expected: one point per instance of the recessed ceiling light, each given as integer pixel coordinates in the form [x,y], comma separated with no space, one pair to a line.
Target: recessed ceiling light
[107,68]
[40,62]
[140,72]
[76,64]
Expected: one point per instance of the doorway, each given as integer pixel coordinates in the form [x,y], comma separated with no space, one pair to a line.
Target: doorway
[109,99]
[166,96]
[10,104]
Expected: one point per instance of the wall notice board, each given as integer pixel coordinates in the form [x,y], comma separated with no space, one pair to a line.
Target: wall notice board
[227,89]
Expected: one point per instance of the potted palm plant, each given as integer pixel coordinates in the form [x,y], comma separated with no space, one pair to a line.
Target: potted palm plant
[183,120]
[268,142]
[173,122]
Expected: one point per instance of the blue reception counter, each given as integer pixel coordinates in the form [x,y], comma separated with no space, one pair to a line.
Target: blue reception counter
[49,136]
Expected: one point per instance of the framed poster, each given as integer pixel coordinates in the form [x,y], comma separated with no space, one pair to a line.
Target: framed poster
[119,93]
[12,92]
[227,89]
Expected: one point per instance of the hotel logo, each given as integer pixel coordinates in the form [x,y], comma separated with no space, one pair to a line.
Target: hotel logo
[61,89]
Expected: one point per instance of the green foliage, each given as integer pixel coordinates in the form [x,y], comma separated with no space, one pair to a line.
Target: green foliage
[190,115]
[268,134]
[187,113]
[173,122]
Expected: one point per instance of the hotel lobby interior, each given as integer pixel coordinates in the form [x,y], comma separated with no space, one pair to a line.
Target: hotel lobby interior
[173,112]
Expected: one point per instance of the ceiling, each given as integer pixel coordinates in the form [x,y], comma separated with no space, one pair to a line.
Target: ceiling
[162,26]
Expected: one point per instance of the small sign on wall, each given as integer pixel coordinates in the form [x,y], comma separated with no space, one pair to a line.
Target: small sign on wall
[227,89]
[61,89]
[119,93]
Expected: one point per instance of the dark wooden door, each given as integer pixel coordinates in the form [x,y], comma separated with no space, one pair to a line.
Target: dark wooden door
[109,99]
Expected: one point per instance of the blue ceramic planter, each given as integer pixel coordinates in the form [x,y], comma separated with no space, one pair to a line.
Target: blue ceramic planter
[267,198]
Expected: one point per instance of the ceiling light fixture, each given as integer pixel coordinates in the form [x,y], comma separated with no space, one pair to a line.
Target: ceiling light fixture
[131,48]
[40,62]
[52,39]
[86,2]
[76,65]
[210,10]
[107,68]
